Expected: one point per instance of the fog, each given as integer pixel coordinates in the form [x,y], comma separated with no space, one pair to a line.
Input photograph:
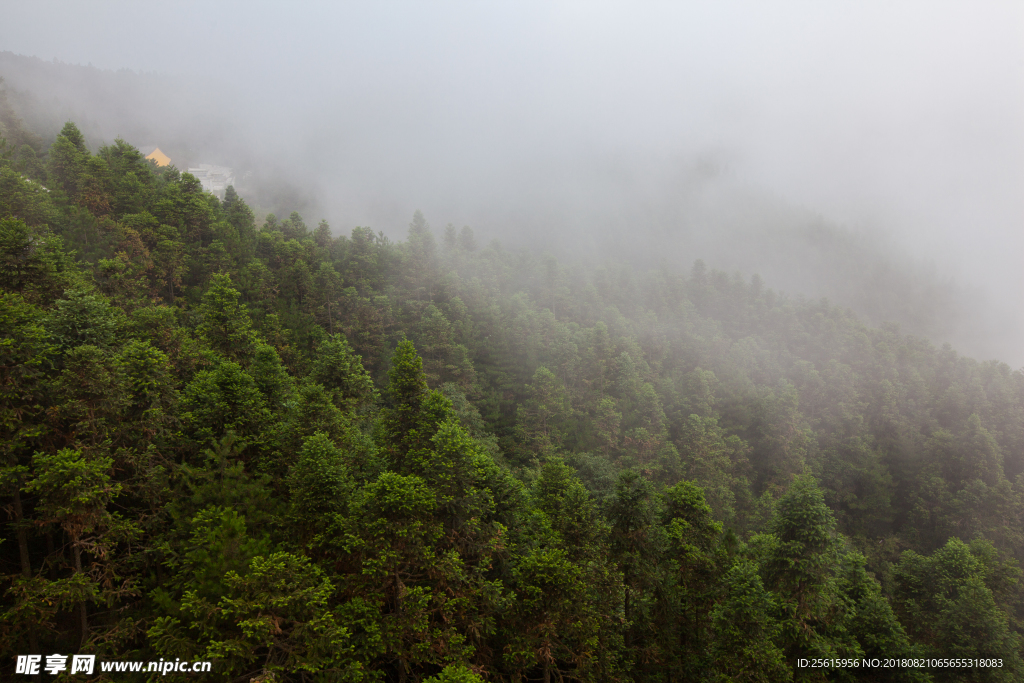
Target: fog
[740,133]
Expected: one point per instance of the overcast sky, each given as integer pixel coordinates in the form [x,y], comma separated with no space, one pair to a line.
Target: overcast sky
[905,118]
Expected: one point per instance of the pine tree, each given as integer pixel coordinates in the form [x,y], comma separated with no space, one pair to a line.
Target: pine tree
[746,635]
[225,324]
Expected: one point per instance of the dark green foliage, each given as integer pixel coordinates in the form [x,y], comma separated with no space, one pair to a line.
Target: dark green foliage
[341,371]
[21,263]
[338,458]
[946,605]
[219,479]
[150,385]
[24,200]
[414,413]
[225,325]
[225,399]
[806,549]
[745,632]
[274,618]
[875,625]
[93,394]
[271,377]
[67,160]
[694,560]
[319,482]
[220,543]
[23,356]
[84,318]
[799,567]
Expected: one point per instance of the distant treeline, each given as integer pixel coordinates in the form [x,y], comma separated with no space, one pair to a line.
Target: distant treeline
[319,458]
[596,207]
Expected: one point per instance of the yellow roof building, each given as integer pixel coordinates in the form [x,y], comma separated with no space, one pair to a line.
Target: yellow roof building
[159,157]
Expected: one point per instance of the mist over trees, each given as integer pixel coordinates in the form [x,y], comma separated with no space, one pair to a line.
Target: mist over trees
[588,207]
[530,342]
[194,122]
[313,456]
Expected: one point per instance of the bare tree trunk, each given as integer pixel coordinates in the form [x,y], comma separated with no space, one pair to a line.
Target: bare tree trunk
[51,552]
[26,563]
[84,621]
[398,612]
[629,631]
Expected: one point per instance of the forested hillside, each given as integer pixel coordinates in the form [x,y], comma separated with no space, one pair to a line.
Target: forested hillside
[340,458]
[599,207]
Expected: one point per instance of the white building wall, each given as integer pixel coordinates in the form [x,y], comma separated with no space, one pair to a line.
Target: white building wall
[214,179]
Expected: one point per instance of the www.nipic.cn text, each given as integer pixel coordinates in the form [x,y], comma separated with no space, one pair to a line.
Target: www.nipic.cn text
[54,664]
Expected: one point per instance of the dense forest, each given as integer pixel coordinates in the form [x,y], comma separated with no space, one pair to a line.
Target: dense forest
[309,457]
